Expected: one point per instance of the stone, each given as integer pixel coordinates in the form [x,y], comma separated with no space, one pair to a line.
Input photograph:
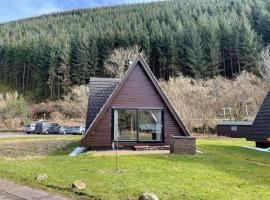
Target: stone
[78,185]
[41,177]
[148,196]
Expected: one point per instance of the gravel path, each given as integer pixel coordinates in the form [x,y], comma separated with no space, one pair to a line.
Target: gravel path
[12,191]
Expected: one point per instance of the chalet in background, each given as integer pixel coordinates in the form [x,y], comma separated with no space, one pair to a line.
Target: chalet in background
[133,110]
[260,129]
[233,129]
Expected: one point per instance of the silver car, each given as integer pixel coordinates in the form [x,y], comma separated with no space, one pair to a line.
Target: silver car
[77,130]
[63,130]
[29,128]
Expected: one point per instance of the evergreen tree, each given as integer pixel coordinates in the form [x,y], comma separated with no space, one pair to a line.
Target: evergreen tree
[194,50]
[249,45]
[48,54]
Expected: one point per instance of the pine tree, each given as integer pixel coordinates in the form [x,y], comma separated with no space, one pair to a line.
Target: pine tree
[212,46]
[249,45]
[194,50]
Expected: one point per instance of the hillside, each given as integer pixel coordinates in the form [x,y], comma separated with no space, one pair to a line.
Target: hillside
[199,38]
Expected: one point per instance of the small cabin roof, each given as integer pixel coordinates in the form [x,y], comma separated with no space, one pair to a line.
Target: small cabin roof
[234,123]
[261,125]
[100,90]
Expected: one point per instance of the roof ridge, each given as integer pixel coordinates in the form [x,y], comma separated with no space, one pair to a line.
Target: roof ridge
[104,79]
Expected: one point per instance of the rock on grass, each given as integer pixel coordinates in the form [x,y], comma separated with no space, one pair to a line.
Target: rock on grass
[41,177]
[78,185]
[148,196]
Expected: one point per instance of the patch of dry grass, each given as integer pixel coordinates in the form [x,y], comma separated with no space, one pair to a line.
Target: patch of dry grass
[32,148]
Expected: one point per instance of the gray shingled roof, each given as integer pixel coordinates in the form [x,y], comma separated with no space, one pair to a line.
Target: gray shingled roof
[261,125]
[100,90]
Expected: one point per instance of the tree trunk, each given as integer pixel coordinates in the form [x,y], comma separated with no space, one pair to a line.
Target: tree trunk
[231,60]
[23,82]
[223,60]
[239,67]
[58,85]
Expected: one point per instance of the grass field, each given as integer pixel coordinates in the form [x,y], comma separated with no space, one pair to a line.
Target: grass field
[223,171]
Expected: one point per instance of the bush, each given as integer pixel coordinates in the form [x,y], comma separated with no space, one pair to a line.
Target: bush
[202,102]
[12,106]
[74,105]
[13,110]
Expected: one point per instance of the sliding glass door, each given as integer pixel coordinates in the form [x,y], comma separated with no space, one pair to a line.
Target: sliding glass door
[141,125]
[150,125]
[125,125]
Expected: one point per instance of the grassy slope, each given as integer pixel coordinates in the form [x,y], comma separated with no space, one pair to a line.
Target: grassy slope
[223,171]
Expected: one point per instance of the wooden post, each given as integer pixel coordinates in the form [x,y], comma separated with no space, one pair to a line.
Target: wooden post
[116,154]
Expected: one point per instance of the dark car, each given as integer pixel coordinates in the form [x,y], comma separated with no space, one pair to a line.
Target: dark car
[62,130]
[46,128]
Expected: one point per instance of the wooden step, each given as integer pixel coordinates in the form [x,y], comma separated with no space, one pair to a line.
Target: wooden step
[150,148]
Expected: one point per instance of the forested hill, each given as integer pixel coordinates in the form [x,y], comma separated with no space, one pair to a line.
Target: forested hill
[199,38]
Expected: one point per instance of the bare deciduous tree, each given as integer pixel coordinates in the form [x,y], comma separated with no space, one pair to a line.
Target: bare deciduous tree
[118,62]
[264,63]
[200,102]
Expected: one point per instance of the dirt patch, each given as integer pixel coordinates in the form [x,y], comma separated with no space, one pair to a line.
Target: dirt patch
[33,148]
[125,152]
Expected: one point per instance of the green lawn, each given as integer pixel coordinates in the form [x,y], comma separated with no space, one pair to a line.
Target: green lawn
[223,171]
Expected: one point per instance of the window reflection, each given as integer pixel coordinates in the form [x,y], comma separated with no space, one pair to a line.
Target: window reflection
[138,125]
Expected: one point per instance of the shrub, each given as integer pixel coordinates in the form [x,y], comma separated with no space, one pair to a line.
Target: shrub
[13,110]
[56,116]
[74,105]
[13,105]
[202,102]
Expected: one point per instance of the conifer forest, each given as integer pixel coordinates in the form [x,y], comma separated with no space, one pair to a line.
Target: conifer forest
[196,38]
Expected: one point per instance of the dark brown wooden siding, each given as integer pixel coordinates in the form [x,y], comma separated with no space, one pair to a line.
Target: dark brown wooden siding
[137,92]
[260,129]
[226,130]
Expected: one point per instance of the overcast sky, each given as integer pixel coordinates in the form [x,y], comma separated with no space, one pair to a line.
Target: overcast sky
[18,9]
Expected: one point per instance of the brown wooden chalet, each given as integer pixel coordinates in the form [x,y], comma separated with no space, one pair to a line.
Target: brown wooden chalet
[133,110]
[260,129]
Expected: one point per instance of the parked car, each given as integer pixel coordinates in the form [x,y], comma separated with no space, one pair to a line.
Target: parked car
[29,128]
[46,128]
[77,130]
[63,130]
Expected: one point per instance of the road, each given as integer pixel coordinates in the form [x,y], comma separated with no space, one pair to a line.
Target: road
[6,196]
[12,191]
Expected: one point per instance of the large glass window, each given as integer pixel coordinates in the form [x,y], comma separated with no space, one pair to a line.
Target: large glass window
[125,125]
[138,125]
[150,125]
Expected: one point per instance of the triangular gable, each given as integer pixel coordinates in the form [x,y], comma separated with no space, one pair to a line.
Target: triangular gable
[260,128]
[152,78]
